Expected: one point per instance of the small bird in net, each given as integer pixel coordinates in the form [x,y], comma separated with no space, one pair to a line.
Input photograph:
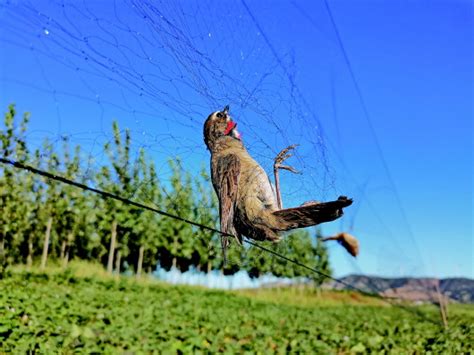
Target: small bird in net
[348,242]
[248,204]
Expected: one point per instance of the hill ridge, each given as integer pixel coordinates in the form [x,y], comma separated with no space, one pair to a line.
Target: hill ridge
[421,289]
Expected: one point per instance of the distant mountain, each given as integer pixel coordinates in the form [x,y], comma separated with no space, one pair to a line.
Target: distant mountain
[459,289]
[414,289]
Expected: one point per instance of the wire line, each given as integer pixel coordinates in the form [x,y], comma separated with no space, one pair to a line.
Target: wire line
[108,195]
[370,124]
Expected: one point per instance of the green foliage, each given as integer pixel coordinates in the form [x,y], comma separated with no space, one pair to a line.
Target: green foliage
[50,313]
[179,199]
[320,249]
[64,313]
[296,246]
[207,252]
[82,222]
[15,218]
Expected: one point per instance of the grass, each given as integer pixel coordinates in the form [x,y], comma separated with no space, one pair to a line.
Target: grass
[82,309]
[308,297]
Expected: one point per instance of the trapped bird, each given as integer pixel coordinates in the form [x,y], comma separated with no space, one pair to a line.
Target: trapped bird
[248,205]
[349,242]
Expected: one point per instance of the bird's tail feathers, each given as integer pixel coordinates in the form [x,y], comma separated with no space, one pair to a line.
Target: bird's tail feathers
[311,214]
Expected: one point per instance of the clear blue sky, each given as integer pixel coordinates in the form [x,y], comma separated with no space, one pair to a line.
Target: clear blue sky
[160,70]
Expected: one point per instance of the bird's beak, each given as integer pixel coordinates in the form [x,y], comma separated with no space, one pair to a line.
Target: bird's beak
[226,109]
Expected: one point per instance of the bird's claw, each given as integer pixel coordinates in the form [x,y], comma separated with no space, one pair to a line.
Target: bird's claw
[284,155]
[286,167]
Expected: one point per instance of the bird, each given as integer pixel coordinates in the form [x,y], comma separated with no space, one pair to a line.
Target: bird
[348,241]
[248,204]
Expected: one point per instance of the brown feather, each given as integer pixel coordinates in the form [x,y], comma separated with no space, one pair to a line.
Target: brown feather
[311,214]
[247,201]
[349,242]
[226,172]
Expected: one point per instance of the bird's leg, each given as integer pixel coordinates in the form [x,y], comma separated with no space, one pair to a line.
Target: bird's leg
[280,158]
[334,237]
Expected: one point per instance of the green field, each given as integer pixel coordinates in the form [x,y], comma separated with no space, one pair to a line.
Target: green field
[73,311]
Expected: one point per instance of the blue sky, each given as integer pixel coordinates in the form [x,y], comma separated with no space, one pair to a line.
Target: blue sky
[161,69]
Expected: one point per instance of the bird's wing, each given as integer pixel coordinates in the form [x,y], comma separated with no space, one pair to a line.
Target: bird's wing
[226,177]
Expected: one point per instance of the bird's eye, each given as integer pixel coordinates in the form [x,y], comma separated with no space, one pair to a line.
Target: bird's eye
[219,115]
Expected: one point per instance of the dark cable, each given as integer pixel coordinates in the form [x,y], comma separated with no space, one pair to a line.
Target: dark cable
[106,194]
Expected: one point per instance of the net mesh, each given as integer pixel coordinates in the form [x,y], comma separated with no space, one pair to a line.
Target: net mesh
[159,68]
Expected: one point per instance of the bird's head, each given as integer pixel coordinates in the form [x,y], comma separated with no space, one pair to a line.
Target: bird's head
[219,124]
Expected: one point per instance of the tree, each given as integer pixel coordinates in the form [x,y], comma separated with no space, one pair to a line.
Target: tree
[33,188]
[207,254]
[259,262]
[180,236]
[148,228]
[119,179]
[322,257]
[297,246]
[15,198]
[50,213]
[74,213]
[43,217]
